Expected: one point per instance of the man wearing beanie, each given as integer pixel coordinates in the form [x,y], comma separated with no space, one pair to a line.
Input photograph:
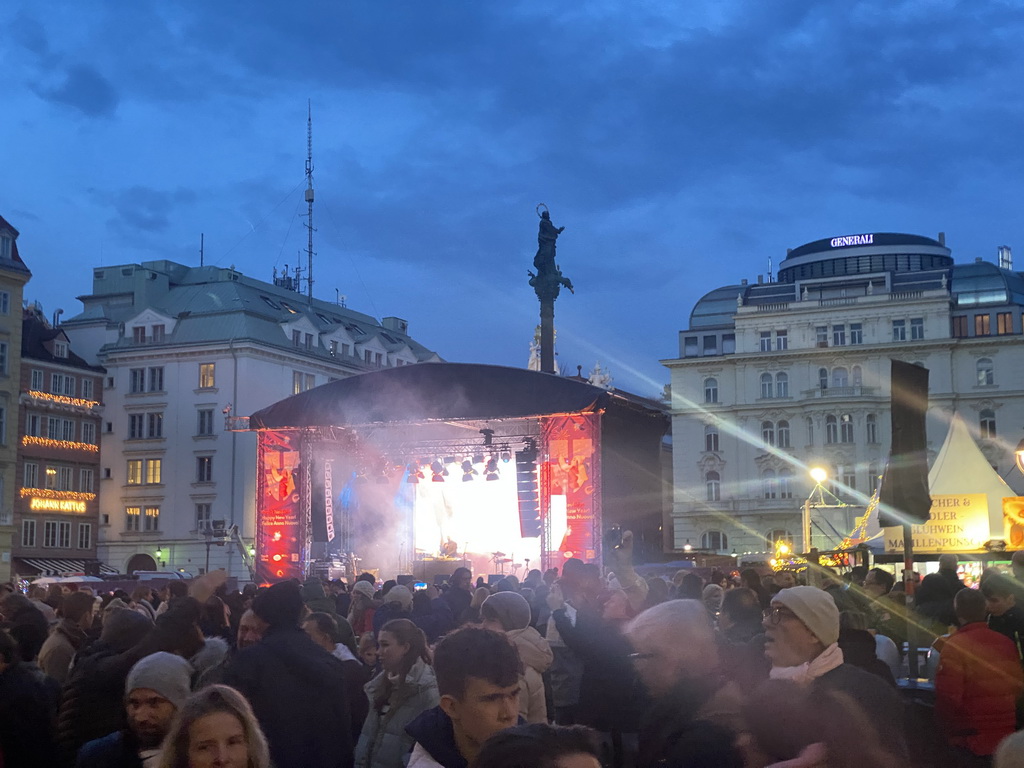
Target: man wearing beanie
[509,612]
[397,605]
[802,644]
[156,688]
[298,690]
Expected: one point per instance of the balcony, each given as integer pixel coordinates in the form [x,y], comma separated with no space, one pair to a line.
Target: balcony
[840,392]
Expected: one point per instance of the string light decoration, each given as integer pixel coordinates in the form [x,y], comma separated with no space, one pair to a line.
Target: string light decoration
[67,445]
[49,493]
[62,399]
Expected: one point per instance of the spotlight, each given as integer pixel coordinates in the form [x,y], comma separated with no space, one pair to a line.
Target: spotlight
[506,456]
[478,458]
[415,475]
[439,472]
[468,471]
[492,469]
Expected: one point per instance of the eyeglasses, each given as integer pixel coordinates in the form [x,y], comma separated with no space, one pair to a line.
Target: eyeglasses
[640,656]
[776,615]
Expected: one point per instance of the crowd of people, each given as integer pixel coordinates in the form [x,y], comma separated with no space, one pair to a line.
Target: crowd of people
[578,667]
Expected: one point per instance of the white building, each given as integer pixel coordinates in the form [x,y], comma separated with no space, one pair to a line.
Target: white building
[775,378]
[184,348]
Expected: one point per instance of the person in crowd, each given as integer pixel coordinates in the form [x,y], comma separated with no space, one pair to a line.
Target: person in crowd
[472,614]
[397,605]
[712,596]
[477,674]
[693,709]
[294,686]
[933,606]
[1010,753]
[785,579]
[948,564]
[750,579]
[369,653]
[26,624]
[316,599]
[509,612]
[154,691]
[216,728]
[978,681]
[400,693]
[250,631]
[142,601]
[657,591]
[540,745]
[337,590]
[885,616]
[70,634]
[39,596]
[175,590]
[362,609]
[26,712]
[741,638]
[802,643]
[859,647]
[324,631]
[1004,615]
[691,587]
[430,612]
[459,594]
[215,620]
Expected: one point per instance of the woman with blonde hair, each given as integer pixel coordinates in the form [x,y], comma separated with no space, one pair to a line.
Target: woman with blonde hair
[215,727]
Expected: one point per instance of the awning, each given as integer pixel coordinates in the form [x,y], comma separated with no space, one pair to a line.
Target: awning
[56,566]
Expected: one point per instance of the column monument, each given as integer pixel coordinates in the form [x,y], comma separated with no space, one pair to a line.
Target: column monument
[547,282]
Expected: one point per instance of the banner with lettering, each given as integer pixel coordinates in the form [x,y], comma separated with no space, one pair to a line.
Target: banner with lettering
[959,523]
[280,520]
[571,482]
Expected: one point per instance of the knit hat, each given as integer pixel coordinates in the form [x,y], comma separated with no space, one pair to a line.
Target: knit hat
[281,605]
[815,608]
[399,594]
[117,604]
[123,628]
[364,588]
[510,608]
[163,672]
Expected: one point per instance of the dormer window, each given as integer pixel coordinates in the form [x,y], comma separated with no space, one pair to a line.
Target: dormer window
[6,246]
[139,334]
[60,349]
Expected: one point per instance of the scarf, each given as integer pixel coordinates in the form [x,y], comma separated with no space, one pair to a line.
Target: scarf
[828,660]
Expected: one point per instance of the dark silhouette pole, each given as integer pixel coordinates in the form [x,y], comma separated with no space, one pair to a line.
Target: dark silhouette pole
[547,283]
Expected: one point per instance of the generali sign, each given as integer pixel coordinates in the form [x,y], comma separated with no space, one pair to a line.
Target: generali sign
[840,242]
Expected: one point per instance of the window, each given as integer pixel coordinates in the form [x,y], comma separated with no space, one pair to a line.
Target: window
[810,430]
[65,479]
[781,385]
[155,424]
[874,478]
[3,357]
[139,334]
[3,426]
[772,539]
[839,335]
[986,372]
[206,376]
[33,425]
[1004,323]
[137,382]
[85,481]
[839,377]
[781,340]
[135,426]
[858,375]
[766,341]
[871,428]
[916,328]
[62,385]
[710,390]
[846,428]
[5,253]
[159,332]
[982,325]
[152,519]
[334,348]
[785,484]
[64,535]
[310,381]
[308,340]
[987,423]
[28,533]
[823,378]
[50,534]
[710,345]
[30,475]
[821,335]
[768,432]
[768,489]
[344,350]
[856,333]
[849,478]
[67,429]
[202,516]
[156,379]
[205,421]
[713,486]
[84,535]
[154,469]
[37,380]
[296,382]
[87,389]
[959,327]
[782,434]
[51,478]
[690,347]
[899,330]
[53,428]
[5,297]
[714,540]
[710,438]
[766,385]
[831,429]
[204,469]
[134,471]
[132,518]
[297,338]
[89,432]
[728,343]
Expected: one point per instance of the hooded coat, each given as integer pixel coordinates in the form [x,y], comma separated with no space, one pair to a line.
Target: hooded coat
[66,639]
[536,655]
[384,742]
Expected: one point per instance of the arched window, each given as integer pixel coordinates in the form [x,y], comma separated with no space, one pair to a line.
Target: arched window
[986,372]
[773,538]
[781,385]
[766,385]
[840,378]
[713,484]
[782,434]
[810,430]
[831,429]
[846,428]
[857,375]
[768,432]
[874,478]
[871,428]
[768,488]
[711,438]
[987,423]
[785,484]
[714,540]
[823,378]
[711,390]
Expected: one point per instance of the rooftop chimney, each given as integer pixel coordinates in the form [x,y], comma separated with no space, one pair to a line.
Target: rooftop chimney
[760,279]
[743,281]
[942,238]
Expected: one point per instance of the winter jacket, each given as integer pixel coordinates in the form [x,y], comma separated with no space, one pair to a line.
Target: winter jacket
[685,728]
[117,750]
[60,648]
[435,741]
[1011,624]
[386,613]
[536,655]
[435,622]
[858,647]
[879,701]
[384,742]
[976,688]
[297,691]
[27,713]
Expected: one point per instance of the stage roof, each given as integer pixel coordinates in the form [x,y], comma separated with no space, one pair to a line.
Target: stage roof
[443,392]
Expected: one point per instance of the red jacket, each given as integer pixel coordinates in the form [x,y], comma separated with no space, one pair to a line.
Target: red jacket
[976,688]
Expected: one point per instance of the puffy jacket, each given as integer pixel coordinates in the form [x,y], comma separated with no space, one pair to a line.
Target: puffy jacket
[59,649]
[536,655]
[976,687]
[435,741]
[383,742]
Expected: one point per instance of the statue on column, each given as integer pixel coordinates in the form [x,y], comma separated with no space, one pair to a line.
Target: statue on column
[544,261]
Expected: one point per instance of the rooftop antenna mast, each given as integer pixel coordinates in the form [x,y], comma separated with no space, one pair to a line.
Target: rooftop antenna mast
[309,199]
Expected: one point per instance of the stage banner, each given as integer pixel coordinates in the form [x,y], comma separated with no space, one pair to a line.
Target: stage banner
[571,483]
[280,518]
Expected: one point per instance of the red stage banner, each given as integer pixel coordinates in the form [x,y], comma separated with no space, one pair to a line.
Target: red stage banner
[280,520]
[571,481]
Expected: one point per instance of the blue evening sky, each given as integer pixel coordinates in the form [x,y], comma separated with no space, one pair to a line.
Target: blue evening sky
[682,145]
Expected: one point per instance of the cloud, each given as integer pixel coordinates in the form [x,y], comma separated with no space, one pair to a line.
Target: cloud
[84,89]
[144,210]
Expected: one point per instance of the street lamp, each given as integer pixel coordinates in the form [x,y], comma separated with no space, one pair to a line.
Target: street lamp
[818,475]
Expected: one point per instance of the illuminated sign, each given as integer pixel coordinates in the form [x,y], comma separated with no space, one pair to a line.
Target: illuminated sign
[840,242]
[959,523]
[56,505]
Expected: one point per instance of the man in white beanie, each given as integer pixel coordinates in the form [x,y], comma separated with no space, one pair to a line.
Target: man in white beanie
[156,688]
[802,644]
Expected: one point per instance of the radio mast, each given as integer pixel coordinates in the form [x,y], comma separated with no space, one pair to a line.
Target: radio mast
[309,199]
